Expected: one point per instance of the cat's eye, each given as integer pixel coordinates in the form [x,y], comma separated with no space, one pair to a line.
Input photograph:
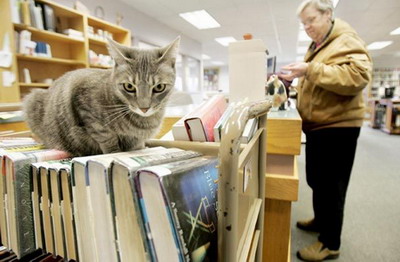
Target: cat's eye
[129,87]
[159,88]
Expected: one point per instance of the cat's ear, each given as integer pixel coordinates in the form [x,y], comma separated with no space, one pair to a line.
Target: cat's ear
[118,52]
[169,53]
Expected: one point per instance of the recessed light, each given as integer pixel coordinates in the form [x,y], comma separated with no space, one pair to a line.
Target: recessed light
[200,19]
[395,31]
[379,45]
[225,41]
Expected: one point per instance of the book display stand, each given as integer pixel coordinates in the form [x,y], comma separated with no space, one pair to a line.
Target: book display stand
[240,185]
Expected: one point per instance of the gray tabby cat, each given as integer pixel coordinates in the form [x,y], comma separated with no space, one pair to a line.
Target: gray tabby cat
[94,111]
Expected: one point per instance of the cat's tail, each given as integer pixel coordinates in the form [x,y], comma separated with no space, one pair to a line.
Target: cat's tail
[33,107]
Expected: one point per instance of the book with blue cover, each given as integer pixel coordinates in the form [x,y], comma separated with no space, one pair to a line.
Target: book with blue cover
[179,208]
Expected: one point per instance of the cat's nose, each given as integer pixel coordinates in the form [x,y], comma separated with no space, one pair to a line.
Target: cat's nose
[144,110]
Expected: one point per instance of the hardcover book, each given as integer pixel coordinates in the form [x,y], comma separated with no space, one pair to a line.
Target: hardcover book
[130,231]
[8,145]
[21,224]
[219,126]
[54,171]
[87,218]
[179,207]
[200,123]
[68,217]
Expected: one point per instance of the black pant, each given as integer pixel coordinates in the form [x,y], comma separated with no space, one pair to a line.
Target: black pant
[329,159]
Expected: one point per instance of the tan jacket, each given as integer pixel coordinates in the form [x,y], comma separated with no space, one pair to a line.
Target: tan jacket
[330,94]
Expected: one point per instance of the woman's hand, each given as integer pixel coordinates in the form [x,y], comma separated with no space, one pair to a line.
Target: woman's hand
[297,69]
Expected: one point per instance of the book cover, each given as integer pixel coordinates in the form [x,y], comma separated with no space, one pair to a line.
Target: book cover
[8,145]
[21,224]
[179,130]
[54,171]
[48,18]
[97,177]
[15,11]
[200,123]
[179,200]
[83,218]
[219,126]
[25,12]
[130,231]
[67,213]
[36,195]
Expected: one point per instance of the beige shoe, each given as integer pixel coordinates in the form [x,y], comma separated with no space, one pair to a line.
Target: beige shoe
[317,252]
[308,225]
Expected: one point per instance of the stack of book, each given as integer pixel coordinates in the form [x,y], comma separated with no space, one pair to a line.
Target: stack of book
[73,33]
[152,204]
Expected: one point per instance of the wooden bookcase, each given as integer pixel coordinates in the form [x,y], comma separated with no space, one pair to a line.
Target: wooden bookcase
[67,53]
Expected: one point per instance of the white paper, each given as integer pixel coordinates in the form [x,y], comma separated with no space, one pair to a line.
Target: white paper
[8,78]
[5,53]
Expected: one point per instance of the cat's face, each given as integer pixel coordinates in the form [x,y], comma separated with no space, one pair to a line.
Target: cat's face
[144,79]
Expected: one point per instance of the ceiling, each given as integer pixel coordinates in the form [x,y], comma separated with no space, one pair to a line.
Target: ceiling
[275,22]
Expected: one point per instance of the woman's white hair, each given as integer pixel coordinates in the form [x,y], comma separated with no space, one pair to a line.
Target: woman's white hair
[320,5]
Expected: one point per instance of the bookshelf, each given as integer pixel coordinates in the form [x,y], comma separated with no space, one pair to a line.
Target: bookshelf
[67,52]
[385,115]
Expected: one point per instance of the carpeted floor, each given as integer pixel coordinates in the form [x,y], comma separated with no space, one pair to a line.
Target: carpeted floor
[371,230]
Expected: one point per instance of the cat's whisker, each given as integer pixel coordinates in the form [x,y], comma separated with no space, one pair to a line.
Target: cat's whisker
[122,114]
[117,112]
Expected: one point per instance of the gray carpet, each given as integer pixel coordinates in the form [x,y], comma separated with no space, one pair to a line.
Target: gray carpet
[371,230]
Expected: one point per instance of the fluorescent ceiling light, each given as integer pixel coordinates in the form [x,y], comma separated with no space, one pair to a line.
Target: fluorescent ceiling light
[395,31]
[303,37]
[301,50]
[225,40]
[335,2]
[379,45]
[200,19]
[205,57]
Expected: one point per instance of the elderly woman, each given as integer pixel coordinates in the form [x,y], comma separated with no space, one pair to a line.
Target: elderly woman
[335,70]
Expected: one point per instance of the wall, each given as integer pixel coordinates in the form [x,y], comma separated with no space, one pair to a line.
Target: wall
[142,27]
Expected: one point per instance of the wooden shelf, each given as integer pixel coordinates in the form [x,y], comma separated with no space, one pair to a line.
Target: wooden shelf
[97,41]
[62,10]
[34,85]
[47,34]
[50,60]
[112,28]
[68,53]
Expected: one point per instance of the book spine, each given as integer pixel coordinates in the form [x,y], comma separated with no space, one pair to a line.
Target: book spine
[26,15]
[23,208]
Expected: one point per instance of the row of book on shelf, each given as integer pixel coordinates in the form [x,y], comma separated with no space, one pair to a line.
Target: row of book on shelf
[32,13]
[24,45]
[209,121]
[156,204]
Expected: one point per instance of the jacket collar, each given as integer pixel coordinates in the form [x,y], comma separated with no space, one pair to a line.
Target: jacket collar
[338,28]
